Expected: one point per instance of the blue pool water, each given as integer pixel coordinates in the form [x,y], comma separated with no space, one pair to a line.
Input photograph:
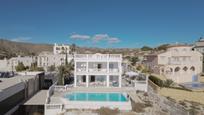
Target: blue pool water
[194,85]
[112,97]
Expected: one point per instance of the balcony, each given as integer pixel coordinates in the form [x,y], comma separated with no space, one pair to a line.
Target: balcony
[96,70]
[179,62]
[98,57]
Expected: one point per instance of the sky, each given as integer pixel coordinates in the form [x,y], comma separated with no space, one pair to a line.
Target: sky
[102,23]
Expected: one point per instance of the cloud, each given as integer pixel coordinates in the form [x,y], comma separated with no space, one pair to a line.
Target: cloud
[99,37]
[80,37]
[113,40]
[21,39]
[96,38]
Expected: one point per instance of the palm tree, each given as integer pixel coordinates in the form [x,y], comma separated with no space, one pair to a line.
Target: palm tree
[65,71]
[73,48]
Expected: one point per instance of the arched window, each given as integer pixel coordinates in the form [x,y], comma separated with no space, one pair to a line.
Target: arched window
[185,68]
[192,68]
[177,69]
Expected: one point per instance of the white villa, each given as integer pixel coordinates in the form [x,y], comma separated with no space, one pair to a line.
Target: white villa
[10,64]
[179,63]
[58,49]
[46,59]
[97,70]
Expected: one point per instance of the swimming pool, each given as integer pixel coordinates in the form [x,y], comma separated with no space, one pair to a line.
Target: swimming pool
[103,97]
[193,85]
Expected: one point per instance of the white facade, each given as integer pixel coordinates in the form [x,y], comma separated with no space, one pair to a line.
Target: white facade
[97,70]
[199,45]
[46,59]
[10,64]
[59,49]
[180,63]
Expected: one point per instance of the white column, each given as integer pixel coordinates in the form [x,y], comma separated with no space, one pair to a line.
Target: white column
[87,81]
[107,67]
[107,80]
[87,75]
[87,66]
[120,73]
[75,80]
[75,76]
[120,80]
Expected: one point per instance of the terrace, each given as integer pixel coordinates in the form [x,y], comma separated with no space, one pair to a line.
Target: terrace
[98,57]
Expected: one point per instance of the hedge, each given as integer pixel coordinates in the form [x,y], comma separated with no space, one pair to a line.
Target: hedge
[156,80]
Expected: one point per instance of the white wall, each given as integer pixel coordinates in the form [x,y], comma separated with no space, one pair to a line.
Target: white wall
[182,56]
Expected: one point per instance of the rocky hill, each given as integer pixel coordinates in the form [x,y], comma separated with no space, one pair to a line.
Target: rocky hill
[10,48]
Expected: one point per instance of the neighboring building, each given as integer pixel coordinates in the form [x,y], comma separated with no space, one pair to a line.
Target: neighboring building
[10,64]
[46,59]
[61,49]
[179,63]
[17,89]
[96,70]
[199,46]
[4,65]
[27,61]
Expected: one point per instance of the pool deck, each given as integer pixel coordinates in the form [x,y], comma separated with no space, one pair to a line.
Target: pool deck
[38,99]
[55,98]
[61,104]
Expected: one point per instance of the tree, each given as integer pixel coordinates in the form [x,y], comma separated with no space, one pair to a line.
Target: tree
[20,67]
[66,60]
[139,67]
[134,60]
[65,71]
[168,83]
[51,68]
[34,67]
[40,69]
[146,48]
[162,47]
[73,48]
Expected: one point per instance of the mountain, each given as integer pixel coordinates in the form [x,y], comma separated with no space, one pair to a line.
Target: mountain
[10,48]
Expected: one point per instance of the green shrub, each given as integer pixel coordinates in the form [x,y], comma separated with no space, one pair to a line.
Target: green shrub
[20,67]
[156,80]
[51,68]
[168,83]
[40,69]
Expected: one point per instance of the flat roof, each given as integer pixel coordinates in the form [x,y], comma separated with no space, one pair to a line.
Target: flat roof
[38,99]
[8,82]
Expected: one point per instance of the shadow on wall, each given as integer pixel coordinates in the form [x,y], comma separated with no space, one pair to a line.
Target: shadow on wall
[30,110]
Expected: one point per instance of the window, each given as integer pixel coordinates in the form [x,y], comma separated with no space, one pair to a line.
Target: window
[111,66]
[99,66]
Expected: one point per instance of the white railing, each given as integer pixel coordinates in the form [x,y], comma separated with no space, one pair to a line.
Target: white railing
[60,88]
[53,106]
[97,56]
[50,92]
[113,70]
[97,70]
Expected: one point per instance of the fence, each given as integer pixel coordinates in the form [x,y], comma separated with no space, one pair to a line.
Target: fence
[50,92]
